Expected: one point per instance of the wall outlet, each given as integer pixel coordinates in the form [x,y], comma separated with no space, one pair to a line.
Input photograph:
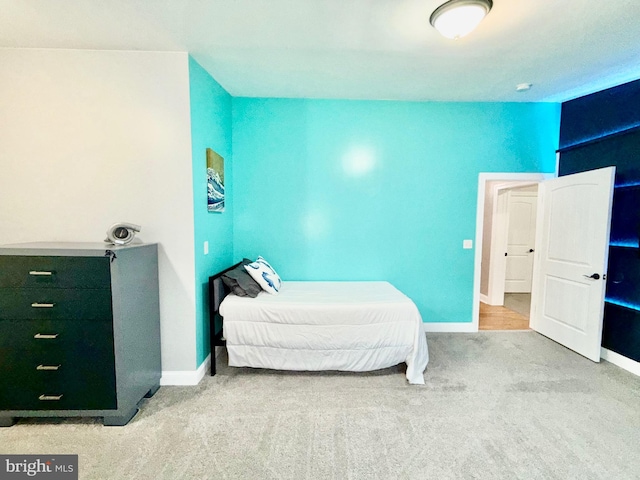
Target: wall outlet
[467,244]
[206,247]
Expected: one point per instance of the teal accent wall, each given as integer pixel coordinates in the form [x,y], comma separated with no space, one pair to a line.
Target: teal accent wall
[378,190]
[210,128]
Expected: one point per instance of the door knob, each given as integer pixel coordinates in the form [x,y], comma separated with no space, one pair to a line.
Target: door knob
[595,276]
[531,250]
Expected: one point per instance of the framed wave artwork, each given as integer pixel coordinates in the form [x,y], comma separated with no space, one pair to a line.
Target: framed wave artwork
[215,182]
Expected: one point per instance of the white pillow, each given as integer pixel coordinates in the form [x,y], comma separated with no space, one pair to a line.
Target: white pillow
[265,275]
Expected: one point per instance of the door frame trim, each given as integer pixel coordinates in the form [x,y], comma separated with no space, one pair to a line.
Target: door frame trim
[499,233]
[483,178]
[499,239]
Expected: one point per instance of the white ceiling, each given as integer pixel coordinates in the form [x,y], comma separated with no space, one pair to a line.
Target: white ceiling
[356,49]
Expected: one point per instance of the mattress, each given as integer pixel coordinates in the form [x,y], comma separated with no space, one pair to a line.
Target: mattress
[346,326]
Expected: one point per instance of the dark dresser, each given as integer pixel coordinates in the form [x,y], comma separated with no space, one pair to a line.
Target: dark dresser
[79,330]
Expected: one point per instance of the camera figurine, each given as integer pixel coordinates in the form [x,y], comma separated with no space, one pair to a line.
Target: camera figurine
[122,233]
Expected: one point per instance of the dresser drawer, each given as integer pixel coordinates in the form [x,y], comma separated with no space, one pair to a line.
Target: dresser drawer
[54,272]
[77,341]
[78,394]
[55,304]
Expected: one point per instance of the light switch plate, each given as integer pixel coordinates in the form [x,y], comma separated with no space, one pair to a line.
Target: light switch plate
[206,247]
[467,244]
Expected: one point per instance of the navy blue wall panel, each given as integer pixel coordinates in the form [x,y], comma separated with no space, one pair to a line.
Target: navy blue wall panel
[625,218]
[624,276]
[600,114]
[621,323]
[621,151]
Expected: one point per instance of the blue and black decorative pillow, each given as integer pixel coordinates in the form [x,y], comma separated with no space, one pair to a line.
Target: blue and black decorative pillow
[265,275]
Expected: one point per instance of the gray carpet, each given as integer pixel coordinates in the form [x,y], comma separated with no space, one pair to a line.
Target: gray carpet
[496,405]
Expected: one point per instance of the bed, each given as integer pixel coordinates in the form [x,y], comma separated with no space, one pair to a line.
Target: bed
[313,326]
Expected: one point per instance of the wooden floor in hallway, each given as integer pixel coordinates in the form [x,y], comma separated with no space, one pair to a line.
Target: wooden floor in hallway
[498,317]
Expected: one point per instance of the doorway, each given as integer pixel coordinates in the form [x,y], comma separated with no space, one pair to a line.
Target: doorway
[518,246]
[500,282]
[569,276]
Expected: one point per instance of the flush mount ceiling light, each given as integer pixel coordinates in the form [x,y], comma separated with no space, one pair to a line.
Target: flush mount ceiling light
[457,18]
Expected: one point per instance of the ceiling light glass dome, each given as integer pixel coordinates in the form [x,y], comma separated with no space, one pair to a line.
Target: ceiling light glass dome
[458,18]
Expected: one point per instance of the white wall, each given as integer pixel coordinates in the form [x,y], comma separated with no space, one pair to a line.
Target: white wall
[486,237]
[91,138]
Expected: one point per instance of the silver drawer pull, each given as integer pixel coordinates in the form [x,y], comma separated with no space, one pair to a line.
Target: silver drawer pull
[38,273]
[46,335]
[49,397]
[48,367]
[43,305]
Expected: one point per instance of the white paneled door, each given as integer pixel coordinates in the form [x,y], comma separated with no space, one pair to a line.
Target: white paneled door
[521,234]
[571,259]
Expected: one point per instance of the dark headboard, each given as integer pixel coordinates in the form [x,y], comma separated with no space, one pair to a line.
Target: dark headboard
[217,291]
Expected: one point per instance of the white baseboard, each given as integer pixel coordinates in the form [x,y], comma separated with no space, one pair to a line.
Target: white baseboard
[186,377]
[484,298]
[620,361]
[466,327]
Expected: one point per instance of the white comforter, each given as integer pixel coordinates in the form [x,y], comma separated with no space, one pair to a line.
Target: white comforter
[350,326]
